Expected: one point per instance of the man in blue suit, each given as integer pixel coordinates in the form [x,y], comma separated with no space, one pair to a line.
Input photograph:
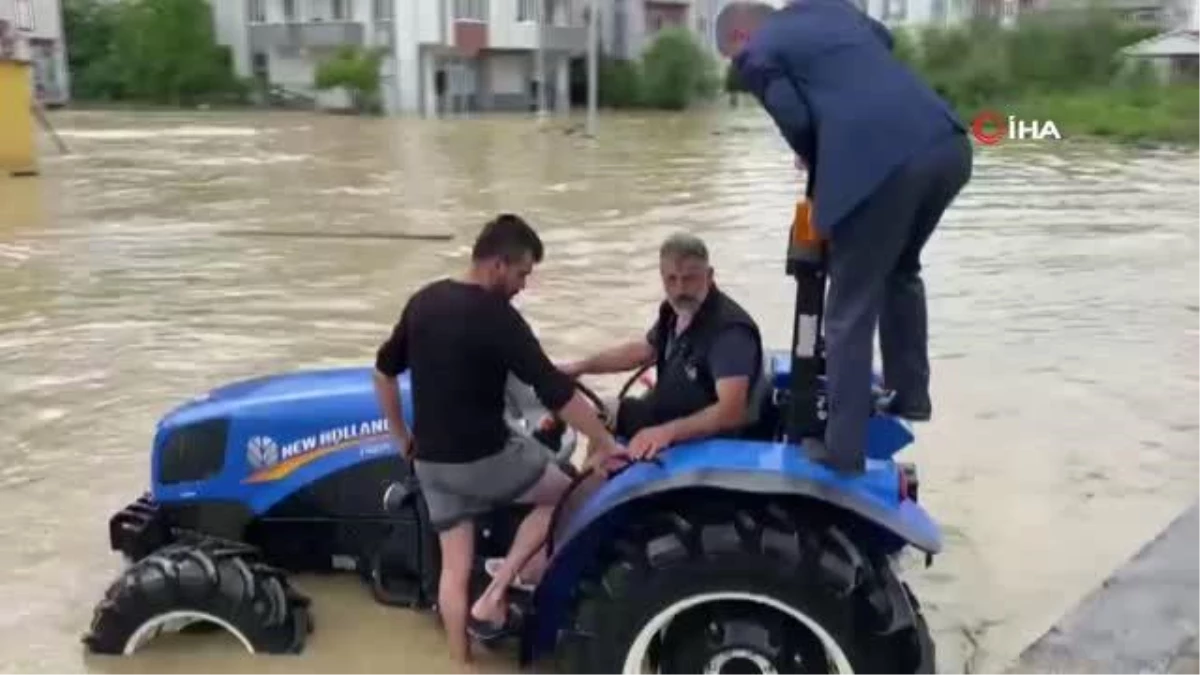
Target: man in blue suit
[885,158]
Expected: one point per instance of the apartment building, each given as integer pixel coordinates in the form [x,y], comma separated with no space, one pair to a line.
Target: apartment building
[441,56]
[40,22]
[627,27]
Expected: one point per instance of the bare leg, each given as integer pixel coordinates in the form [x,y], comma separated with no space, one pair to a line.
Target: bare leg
[531,572]
[534,567]
[531,535]
[458,550]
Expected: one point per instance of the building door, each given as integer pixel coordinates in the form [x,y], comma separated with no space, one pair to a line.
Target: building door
[462,84]
[47,86]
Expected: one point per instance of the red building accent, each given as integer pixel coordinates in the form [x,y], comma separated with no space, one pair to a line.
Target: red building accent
[470,37]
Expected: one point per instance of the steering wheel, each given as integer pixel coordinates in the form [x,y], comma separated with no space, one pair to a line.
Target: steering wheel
[639,375]
[525,415]
[606,415]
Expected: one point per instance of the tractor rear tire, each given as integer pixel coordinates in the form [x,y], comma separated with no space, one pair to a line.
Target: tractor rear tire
[744,588]
[218,582]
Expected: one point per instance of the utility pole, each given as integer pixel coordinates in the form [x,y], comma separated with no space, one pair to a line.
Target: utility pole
[592,66]
[540,59]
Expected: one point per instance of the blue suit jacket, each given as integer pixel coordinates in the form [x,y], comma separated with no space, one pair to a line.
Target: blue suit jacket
[824,71]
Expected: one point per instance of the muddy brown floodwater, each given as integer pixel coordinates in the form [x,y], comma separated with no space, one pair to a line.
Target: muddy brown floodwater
[1063,307]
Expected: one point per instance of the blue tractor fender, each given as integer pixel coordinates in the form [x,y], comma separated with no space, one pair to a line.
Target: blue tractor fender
[740,466]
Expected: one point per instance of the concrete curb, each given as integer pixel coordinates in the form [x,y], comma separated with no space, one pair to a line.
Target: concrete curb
[1142,619]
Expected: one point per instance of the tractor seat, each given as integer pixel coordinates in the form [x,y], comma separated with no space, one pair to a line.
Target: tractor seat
[764,411]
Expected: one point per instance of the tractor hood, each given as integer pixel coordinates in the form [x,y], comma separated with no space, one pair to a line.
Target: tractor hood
[256,441]
[262,395]
[274,433]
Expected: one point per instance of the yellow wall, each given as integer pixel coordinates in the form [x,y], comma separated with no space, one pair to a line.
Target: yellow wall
[17,148]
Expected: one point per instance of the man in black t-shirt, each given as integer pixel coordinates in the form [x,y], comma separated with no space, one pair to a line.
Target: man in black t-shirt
[460,338]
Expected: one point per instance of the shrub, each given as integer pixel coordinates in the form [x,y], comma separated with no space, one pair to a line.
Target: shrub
[619,83]
[674,72]
[356,70]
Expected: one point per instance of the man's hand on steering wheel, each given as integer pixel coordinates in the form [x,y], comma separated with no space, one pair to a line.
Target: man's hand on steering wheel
[648,442]
[607,460]
[602,411]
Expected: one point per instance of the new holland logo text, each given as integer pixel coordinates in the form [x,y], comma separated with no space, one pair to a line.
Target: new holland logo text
[333,437]
[270,461]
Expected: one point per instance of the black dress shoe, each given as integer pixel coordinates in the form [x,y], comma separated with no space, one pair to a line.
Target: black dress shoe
[905,410]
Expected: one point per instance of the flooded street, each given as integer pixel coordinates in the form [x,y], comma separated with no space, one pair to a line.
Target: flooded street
[1063,324]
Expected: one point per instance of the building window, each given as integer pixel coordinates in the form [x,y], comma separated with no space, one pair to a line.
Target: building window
[260,66]
[470,10]
[937,11]
[343,10]
[24,11]
[527,10]
[895,9]
[384,10]
[620,31]
[289,10]
[257,11]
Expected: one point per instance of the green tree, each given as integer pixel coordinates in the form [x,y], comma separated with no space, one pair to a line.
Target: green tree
[1048,52]
[161,51]
[1061,65]
[674,72]
[357,71]
[90,27]
[677,71]
[619,83]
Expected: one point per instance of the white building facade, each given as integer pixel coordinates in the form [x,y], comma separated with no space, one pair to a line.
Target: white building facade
[627,27]
[441,56]
[40,22]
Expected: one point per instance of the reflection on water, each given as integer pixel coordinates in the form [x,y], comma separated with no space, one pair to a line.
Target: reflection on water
[1063,310]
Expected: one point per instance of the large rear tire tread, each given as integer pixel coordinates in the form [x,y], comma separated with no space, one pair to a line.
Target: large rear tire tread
[224,580]
[761,548]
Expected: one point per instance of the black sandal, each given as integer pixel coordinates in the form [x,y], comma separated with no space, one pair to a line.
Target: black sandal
[487,631]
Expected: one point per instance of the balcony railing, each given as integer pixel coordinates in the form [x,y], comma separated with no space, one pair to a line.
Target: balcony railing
[323,34]
[566,38]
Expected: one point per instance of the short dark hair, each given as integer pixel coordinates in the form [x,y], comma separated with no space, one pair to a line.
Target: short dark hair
[508,236]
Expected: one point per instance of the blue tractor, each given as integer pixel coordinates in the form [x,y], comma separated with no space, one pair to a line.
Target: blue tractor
[724,555]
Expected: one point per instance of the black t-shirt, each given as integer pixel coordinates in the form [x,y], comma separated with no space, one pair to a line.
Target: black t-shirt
[460,342]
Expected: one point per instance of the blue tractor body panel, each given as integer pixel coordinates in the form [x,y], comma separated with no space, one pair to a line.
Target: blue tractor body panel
[742,466]
[266,439]
[283,432]
[739,466]
[767,468]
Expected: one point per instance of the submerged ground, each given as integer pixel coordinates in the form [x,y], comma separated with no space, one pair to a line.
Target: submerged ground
[1062,285]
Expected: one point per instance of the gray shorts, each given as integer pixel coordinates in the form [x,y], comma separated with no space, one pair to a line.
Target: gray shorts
[457,492]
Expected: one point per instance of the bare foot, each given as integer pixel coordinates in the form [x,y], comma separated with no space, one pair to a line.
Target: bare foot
[489,609]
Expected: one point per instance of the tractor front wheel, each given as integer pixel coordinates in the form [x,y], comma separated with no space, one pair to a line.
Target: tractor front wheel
[745,590]
[187,585]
